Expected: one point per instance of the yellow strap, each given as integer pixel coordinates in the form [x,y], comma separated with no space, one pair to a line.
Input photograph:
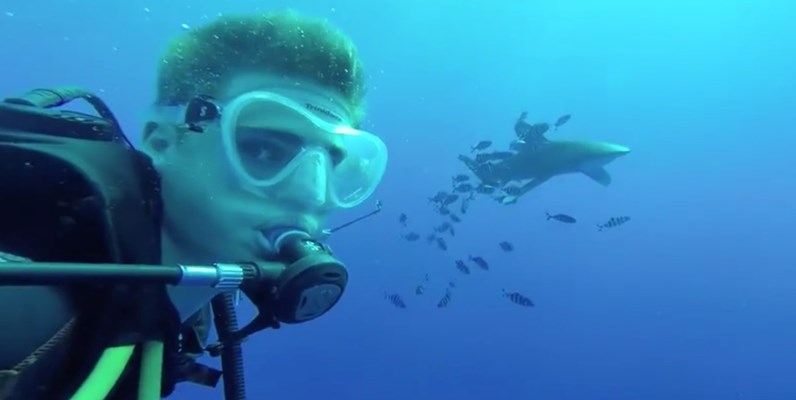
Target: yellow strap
[105,374]
[151,371]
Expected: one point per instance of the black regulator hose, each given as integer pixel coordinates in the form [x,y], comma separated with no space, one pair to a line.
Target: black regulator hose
[226,321]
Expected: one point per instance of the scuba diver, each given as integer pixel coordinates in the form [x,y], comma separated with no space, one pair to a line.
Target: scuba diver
[530,137]
[492,168]
[114,261]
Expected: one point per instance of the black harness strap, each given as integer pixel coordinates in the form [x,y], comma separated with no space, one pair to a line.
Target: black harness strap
[38,359]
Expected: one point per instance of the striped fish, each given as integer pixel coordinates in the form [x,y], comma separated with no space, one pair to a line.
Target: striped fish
[518,299]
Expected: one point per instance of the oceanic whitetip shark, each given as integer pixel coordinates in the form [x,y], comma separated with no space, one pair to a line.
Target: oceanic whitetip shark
[555,157]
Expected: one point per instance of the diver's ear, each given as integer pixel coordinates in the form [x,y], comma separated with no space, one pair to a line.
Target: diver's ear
[158,140]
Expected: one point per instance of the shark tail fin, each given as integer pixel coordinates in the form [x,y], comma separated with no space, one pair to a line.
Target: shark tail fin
[549,217]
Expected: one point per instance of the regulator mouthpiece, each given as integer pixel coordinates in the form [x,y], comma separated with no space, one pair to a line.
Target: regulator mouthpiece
[309,286]
[313,281]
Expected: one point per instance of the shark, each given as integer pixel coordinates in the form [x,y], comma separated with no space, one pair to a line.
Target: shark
[554,158]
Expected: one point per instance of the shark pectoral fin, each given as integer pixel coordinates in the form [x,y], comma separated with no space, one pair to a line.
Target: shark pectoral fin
[598,173]
[533,184]
[488,174]
[469,163]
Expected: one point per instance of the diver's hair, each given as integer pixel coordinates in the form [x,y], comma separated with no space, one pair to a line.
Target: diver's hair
[204,59]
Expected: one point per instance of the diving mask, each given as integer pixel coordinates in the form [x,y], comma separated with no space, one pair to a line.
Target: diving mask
[270,139]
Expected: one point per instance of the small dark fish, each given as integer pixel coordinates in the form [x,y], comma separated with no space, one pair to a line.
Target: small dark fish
[395,299]
[411,236]
[480,262]
[463,188]
[443,211]
[562,120]
[452,284]
[441,244]
[461,178]
[431,237]
[540,129]
[438,198]
[450,199]
[402,219]
[447,227]
[464,207]
[613,223]
[443,227]
[521,128]
[518,299]
[445,300]
[421,288]
[485,189]
[567,219]
[506,246]
[462,267]
[482,145]
[513,190]
[455,218]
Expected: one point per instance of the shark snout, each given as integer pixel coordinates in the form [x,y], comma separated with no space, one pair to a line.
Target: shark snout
[618,149]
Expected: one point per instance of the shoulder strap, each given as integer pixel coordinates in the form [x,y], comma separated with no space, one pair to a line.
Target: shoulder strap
[13,379]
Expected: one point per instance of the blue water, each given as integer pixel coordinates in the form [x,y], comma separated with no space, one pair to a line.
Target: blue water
[692,299]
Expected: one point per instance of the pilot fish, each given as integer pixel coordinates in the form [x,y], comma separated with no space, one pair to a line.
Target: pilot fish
[445,300]
[613,222]
[395,299]
[518,299]
[480,262]
[462,267]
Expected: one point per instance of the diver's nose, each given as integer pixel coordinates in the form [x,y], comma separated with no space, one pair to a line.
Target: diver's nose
[308,183]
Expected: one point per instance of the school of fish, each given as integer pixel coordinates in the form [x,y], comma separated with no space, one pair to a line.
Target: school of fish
[453,204]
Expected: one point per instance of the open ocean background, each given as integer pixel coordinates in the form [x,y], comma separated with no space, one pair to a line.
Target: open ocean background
[692,299]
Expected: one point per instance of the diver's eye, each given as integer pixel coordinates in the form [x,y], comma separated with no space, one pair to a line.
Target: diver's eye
[337,154]
[262,151]
[268,148]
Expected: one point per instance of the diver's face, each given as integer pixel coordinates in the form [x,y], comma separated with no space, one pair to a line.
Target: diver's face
[209,214]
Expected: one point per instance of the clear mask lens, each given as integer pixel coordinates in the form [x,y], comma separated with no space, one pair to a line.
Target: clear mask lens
[269,139]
